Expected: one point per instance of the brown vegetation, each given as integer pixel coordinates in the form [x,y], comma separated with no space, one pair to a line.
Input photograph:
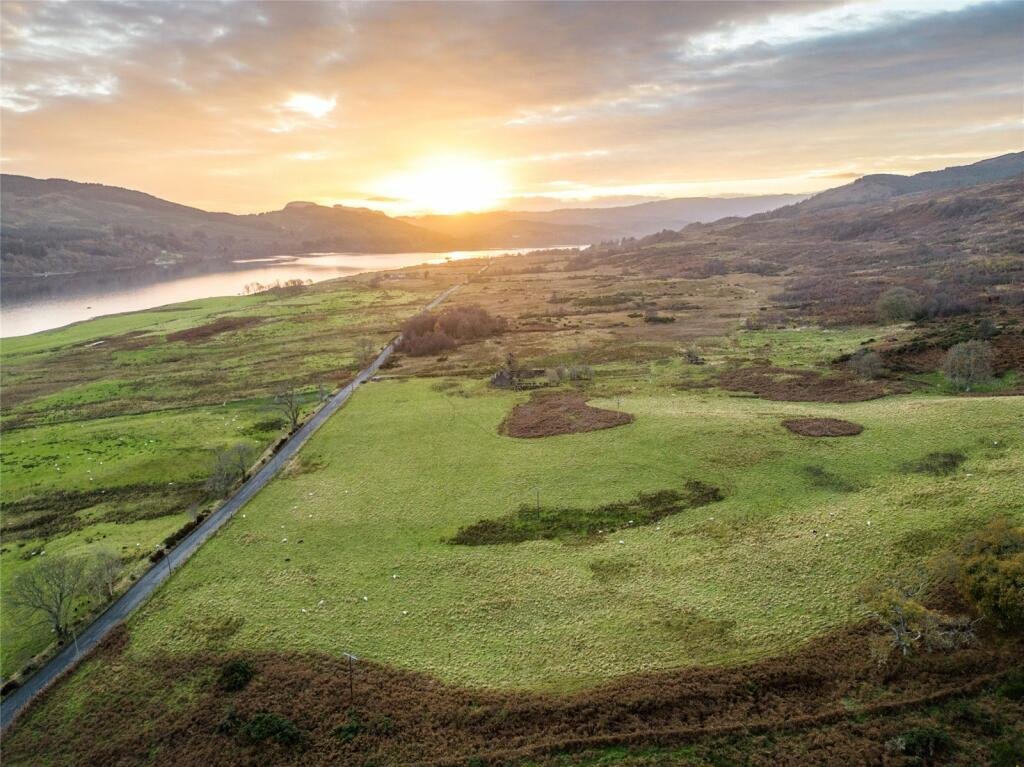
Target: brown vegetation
[548,414]
[215,328]
[433,332]
[296,709]
[822,427]
[799,385]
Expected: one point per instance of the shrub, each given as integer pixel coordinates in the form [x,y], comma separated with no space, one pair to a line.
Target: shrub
[992,573]
[235,675]
[1008,753]
[347,730]
[897,305]
[968,364]
[1013,687]
[867,364]
[273,727]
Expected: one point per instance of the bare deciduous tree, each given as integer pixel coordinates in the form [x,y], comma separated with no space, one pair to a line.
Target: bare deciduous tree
[104,573]
[897,606]
[289,402]
[366,350]
[229,466]
[51,587]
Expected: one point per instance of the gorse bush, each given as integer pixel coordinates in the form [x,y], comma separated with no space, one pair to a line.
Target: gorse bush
[991,573]
[263,727]
[433,332]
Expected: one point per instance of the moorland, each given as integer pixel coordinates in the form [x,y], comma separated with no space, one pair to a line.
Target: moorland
[744,493]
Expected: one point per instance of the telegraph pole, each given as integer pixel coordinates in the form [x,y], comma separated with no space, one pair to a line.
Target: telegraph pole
[351,673]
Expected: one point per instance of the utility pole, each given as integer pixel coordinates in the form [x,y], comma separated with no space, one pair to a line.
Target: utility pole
[351,673]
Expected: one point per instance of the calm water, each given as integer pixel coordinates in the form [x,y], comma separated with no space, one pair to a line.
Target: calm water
[31,304]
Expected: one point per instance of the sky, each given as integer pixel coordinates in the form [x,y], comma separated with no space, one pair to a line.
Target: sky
[442,107]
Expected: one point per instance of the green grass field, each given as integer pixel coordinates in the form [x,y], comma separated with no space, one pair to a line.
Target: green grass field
[128,420]
[347,553]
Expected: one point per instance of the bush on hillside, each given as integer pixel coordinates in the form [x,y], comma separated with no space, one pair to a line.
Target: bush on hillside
[968,364]
[867,364]
[898,305]
[991,573]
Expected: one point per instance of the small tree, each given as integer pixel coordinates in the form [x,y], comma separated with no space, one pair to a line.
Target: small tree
[229,466]
[867,364]
[968,364]
[103,574]
[366,350]
[289,402]
[897,305]
[51,587]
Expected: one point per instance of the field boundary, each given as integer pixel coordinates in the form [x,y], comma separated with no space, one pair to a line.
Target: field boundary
[72,653]
[676,736]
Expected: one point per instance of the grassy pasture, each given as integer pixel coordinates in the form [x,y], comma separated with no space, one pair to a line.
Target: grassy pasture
[126,416]
[348,551]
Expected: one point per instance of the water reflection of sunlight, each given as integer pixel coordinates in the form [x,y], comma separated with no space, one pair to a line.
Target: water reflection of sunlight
[33,304]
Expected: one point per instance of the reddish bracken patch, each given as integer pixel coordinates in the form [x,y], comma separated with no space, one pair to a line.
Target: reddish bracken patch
[546,415]
[215,328]
[800,385]
[823,427]
[397,717]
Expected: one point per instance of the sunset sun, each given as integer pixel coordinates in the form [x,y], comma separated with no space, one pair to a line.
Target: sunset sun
[446,185]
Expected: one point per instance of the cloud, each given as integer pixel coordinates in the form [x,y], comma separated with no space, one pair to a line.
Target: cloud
[310,104]
[602,96]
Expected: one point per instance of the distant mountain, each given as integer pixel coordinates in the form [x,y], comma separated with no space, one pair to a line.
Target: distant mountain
[650,217]
[958,246]
[880,187]
[504,229]
[54,225]
[578,226]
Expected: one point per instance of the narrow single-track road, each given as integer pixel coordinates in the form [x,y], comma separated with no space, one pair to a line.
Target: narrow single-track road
[144,587]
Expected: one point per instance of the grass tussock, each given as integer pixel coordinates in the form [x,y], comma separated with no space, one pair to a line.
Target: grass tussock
[937,464]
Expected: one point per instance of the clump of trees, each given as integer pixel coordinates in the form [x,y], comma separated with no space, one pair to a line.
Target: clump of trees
[229,466]
[56,584]
[434,332]
[898,305]
[968,364]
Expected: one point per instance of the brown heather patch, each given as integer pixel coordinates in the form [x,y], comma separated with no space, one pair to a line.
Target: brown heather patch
[139,708]
[800,385]
[215,328]
[548,414]
[822,427]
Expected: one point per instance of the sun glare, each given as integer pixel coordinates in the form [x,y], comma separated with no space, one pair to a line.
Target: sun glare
[447,185]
